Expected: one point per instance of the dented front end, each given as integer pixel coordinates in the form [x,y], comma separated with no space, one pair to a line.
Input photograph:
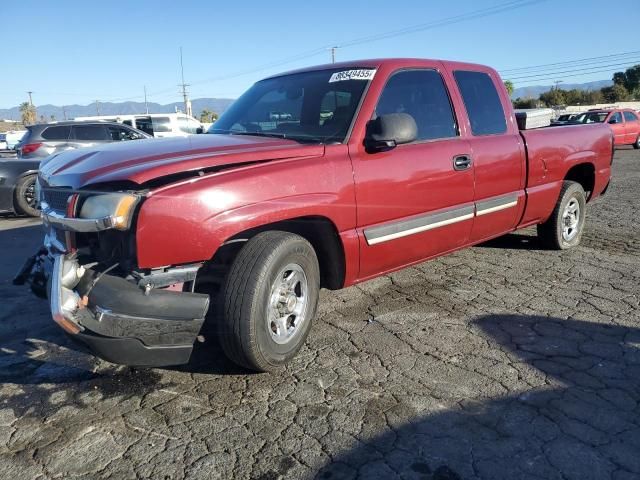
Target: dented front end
[87,269]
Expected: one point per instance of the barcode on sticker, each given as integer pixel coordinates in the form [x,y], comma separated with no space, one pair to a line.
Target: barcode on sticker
[360,74]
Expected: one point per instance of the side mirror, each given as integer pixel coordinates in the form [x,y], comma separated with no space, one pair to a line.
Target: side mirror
[388,131]
[613,121]
[199,130]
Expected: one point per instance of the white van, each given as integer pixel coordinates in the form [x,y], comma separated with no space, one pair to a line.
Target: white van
[157,124]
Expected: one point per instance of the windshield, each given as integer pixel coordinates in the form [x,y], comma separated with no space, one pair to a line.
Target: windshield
[591,117]
[316,106]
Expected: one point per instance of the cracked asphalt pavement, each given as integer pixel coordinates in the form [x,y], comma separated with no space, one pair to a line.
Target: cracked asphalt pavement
[502,361]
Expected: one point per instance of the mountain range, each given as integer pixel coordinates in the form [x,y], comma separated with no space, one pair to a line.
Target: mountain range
[219,105]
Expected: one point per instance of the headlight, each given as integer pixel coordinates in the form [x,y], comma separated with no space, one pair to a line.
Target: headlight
[118,207]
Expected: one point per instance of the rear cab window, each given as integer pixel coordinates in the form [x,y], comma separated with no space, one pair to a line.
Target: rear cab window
[482,102]
[60,132]
[630,116]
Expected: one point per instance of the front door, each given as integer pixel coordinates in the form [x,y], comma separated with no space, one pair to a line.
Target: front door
[631,127]
[413,202]
[617,125]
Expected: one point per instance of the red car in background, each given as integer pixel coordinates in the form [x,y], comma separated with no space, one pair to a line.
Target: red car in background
[624,122]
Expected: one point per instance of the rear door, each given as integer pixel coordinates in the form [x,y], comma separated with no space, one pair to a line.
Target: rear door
[497,152]
[616,123]
[412,203]
[88,135]
[56,138]
[631,127]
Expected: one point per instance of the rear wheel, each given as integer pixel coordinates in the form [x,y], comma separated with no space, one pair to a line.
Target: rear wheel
[564,227]
[637,144]
[25,200]
[268,300]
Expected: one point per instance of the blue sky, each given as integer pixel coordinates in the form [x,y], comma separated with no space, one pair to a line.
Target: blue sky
[69,51]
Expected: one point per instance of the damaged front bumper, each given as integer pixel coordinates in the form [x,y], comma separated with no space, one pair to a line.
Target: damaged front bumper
[118,320]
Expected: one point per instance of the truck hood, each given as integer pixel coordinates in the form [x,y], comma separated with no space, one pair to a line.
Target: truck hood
[140,161]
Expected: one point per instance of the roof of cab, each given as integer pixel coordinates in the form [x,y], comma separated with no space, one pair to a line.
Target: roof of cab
[384,62]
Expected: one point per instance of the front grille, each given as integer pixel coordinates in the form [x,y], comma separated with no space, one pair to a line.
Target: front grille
[56,198]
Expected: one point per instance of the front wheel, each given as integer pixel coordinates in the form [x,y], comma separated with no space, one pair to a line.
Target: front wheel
[564,227]
[269,299]
[25,201]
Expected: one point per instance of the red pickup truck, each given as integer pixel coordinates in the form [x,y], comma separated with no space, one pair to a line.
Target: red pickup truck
[321,177]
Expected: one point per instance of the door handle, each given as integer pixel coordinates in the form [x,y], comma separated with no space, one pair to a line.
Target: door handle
[462,162]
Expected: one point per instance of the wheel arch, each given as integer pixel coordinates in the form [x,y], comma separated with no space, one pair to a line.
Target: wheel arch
[320,231]
[583,173]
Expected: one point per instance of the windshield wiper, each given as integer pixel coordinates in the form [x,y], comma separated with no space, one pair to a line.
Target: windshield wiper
[262,134]
[295,138]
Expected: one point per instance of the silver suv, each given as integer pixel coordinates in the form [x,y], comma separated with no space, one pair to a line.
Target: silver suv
[44,139]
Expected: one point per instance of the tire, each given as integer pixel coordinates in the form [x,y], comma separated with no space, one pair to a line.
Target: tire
[557,233]
[251,335]
[637,144]
[24,201]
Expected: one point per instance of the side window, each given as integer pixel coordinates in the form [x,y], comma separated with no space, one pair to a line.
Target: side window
[56,133]
[482,102]
[118,134]
[161,124]
[630,117]
[616,118]
[423,95]
[89,132]
[144,124]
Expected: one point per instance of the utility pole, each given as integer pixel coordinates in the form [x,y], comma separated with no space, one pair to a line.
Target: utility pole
[64,112]
[97,107]
[557,82]
[333,54]
[185,95]
[146,105]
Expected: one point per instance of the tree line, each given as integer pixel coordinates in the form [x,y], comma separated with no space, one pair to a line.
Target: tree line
[625,88]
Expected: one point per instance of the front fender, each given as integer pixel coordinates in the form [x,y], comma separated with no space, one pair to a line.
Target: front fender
[181,240]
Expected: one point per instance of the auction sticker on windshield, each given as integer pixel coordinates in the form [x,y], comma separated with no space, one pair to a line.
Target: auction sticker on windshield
[360,74]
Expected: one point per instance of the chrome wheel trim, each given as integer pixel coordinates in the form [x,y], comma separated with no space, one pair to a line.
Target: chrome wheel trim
[571,220]
[288,304]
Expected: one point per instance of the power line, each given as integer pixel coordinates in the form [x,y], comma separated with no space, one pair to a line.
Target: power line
[582,61]
[585,70]
[476,14]
[481,13]
[564,76]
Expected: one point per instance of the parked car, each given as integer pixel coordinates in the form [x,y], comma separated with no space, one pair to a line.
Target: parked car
[18,186]
[13,137]
[563,119]
[44,139]
[624,122]
[157,125]
[420,158]
[3,141]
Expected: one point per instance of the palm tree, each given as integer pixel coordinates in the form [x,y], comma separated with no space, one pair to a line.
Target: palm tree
[27,113]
